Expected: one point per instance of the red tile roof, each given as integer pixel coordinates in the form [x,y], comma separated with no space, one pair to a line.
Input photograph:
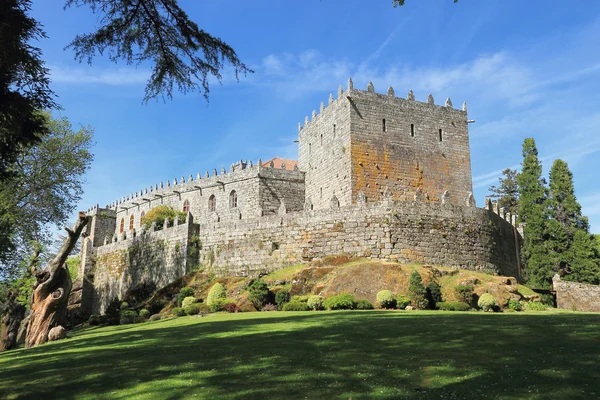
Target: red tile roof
[289,164]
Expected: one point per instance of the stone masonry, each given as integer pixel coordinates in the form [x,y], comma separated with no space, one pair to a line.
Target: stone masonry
[378,177]
[576,296]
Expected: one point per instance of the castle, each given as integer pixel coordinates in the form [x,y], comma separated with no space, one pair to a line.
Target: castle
[377,176]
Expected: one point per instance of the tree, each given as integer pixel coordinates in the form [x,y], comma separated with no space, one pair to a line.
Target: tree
[258,293]
[43,189]
[51,290]
[533,213]
[182,54]
[24,83]
[507,193]
[417,291]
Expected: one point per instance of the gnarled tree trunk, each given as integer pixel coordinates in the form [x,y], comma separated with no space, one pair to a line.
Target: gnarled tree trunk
[12,320]
[51,291]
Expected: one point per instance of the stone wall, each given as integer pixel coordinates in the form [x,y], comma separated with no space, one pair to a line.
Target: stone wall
[576,296]
[151,257]
[428,233]
[259,190]
[366,142]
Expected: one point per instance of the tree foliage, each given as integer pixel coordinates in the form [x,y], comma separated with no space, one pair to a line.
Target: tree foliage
[258,293]
[507,193]
[183,56]
[24,83]
[158,215]
[534,214]
[44,187]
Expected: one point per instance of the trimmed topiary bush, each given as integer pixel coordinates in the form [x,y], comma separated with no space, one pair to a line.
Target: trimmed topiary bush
[386,299]
[315,302]
[188,301]
[183,293]
[464,293]
[364,305]
[344,301]
[515,305]
[486,302]
[300,299]
[259,293]
[417,291]
[434,294]
[178,312]
[191,309]
[296,306]
[144,313]
[453,306]
[281,298]
[216,293]
[402,301]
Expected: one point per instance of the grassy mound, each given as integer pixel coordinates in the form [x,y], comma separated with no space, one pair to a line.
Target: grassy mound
[318,355]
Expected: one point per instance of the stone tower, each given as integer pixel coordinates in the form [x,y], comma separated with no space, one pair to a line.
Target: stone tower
[369,145]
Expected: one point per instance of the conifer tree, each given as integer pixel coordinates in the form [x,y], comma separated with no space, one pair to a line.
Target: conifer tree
[507,192]
[533,213]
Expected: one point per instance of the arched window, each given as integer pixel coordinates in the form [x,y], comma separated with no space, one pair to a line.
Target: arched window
[122,227]
[142,215]
[212,203]
[233,199]
[186,206]
[131,222]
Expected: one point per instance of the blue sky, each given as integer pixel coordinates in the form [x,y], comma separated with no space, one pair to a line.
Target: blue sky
[526,69]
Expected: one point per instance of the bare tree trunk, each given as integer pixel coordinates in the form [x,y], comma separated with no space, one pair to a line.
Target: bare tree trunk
[51,291]
[11,322]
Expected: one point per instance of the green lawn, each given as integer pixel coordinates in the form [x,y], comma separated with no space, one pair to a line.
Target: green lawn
[319,355]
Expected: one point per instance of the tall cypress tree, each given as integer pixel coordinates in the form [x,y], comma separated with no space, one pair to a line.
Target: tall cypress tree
[534,214]
[570,244]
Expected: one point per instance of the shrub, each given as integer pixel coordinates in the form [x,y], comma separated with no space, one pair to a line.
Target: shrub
[315,302]
[259,293]
[159,213]
[191,309]
[128,314]
[402,301]
[125,321]
[269,307]
[113,312]
[230,307]
[515,305]
[94,320]
[248,307]
[282,297]
[486,302]
[216,292]
[464,293]
[417,291]
[340,302]
[386,299]
[434,294]
[188,301]
[296,306]
[364,305]
[453,306]
[219,304]
[535,306]
[178,312]
[203,308]
[124,305]
[183,293]
[144,313]
[154,317]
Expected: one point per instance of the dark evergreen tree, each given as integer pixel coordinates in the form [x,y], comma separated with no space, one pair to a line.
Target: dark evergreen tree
[507,193]
[533,213]
[417,291]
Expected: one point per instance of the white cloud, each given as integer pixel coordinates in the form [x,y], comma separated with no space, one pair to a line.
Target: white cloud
[116,76]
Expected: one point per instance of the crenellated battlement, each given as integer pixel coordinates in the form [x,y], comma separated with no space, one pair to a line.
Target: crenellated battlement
[237,171]
[391,94]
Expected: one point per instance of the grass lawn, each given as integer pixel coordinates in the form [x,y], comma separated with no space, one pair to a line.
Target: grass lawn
[319,355]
